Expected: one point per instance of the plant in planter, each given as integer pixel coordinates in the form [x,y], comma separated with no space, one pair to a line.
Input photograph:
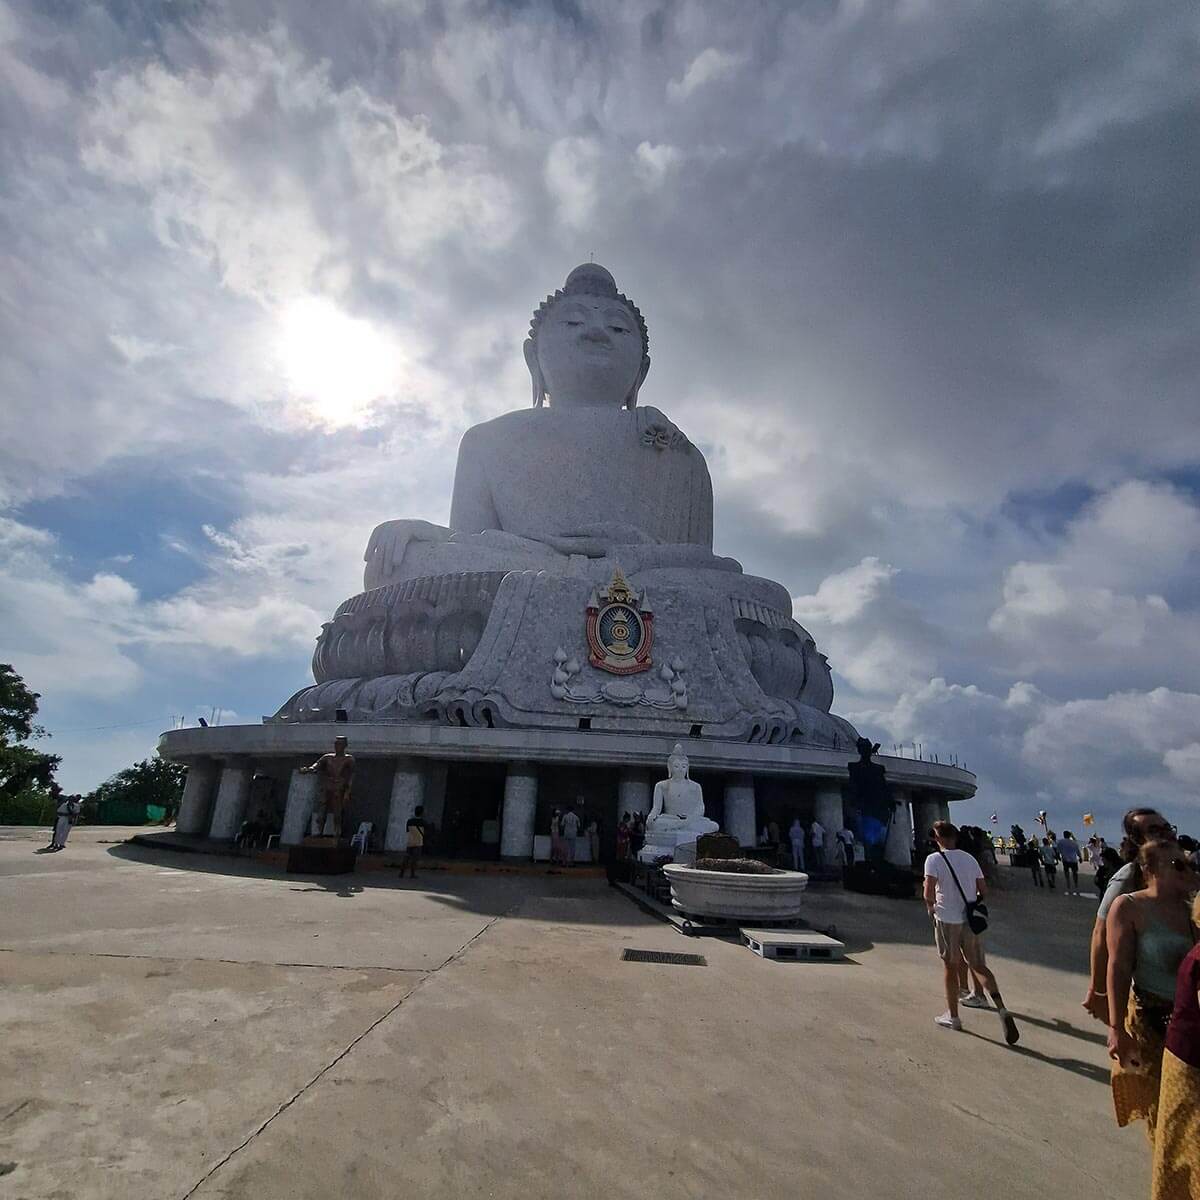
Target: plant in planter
[738,866]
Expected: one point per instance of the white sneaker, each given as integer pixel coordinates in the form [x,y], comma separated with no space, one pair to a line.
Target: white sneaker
[946,1021]
[973,1001]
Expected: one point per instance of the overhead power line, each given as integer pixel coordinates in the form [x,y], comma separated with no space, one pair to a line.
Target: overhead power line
[104,728]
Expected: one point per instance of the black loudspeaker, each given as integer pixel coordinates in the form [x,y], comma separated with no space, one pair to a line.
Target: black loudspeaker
[321,860]
[881,879]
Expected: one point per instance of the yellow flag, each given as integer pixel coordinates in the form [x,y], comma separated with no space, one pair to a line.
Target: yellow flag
[1088,819]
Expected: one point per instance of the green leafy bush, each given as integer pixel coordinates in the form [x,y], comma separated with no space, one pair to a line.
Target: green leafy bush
[30,806]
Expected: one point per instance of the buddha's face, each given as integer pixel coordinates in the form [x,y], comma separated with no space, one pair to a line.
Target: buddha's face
[589,350]
[677,768]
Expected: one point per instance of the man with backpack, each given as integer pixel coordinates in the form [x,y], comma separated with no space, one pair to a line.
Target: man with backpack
[951,876]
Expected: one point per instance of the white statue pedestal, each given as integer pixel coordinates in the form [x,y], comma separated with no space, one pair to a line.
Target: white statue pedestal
[679,845]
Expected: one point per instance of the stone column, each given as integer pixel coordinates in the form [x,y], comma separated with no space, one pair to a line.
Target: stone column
[924,813]
[943,810]
[634,793]
[740,814]
[232,797]
[196,804]
[897,849]
[301,800]
[827,809]
[520,808]
[408,791]
[436,773]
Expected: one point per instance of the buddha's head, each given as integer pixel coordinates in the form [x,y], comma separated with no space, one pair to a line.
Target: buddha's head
[677,764]
[587,344]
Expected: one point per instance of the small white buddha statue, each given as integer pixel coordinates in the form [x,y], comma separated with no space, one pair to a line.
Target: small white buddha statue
[678,807]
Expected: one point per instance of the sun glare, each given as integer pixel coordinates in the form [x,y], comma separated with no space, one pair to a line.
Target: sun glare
[335,365]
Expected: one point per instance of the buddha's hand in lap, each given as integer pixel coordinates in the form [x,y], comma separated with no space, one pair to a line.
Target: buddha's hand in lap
[385,550]
[595,541]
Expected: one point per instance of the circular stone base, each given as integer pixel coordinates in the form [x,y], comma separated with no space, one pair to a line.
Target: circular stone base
[733,896]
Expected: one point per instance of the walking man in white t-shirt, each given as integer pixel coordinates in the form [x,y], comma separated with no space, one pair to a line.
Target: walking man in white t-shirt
[952,877]
[817,833]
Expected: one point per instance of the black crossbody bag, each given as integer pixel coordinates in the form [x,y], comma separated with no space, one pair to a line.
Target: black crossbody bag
[977,910]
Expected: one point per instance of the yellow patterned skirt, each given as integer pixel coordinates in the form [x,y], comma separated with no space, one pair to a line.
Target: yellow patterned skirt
[1135,1089]
[1177,1142]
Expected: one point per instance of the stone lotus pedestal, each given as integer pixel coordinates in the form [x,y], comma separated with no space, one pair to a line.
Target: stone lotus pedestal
[732,896]
[679,846]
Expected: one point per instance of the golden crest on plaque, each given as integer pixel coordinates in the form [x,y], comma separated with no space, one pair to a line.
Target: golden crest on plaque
[620,628]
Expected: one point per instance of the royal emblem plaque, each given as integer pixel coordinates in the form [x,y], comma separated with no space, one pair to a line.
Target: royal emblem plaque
[620,628]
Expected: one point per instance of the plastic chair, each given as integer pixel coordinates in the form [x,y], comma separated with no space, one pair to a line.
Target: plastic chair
[362,836]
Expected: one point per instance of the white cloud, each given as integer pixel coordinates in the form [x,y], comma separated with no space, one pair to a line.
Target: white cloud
[110,591]
[573,179]
[709,66]
[1101,755]
[1184,763]
[96,638]
[136,350]
[841,598]
[653,162]
[1095,606]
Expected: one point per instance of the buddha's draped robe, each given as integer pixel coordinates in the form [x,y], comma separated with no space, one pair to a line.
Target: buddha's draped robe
[544,472]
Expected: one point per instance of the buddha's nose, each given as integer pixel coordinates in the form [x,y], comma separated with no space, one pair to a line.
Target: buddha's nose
[596,333]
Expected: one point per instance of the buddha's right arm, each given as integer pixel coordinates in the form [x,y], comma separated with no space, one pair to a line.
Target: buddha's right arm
[656,807]
[471,506]
[385,550]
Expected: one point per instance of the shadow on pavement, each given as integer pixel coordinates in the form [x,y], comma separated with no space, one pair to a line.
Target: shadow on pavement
[1064,1027]
[1019,930]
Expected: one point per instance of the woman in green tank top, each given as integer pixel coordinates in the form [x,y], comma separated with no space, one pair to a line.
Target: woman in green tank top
[1149,933]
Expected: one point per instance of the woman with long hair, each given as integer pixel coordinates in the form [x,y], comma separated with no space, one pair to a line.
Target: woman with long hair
[1177,1142]
[1149,935]
[1140,825]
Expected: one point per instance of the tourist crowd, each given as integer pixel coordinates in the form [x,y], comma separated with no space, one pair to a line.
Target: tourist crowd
[1144,960]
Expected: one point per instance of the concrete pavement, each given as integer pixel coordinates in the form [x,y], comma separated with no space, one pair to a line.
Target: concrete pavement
[229,1032]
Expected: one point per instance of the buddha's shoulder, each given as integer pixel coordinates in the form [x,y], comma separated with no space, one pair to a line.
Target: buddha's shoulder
[644,424]
[527,423]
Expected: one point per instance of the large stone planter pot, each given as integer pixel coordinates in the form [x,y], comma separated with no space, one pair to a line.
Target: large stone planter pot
[728,894]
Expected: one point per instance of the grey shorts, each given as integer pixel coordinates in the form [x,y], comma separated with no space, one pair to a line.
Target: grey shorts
[955,939]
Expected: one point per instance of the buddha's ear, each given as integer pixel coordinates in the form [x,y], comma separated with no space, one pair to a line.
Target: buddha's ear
[631,399]
[535,371]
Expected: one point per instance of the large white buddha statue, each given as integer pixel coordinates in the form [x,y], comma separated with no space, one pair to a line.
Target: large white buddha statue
[483,620]
[583,472]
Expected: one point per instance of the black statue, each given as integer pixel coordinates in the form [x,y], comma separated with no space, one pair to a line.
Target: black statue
[869,797]
[870,808]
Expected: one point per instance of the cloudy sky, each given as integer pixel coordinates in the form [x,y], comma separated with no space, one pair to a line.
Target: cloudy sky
[921,280]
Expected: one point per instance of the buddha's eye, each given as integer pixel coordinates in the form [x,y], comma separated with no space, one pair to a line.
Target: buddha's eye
[571,322]
[618,329]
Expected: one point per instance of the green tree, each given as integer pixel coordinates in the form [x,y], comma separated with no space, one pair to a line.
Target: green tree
[27,787]
[151,781]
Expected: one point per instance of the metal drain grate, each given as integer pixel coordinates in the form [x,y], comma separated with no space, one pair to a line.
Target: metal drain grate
[664,956]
